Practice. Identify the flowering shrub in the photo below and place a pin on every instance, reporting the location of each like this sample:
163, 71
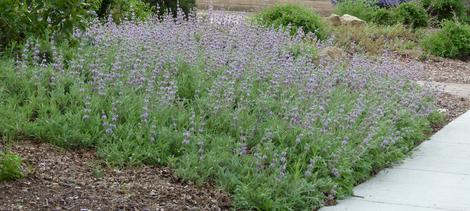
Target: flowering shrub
221, 102
391, 3
381, 3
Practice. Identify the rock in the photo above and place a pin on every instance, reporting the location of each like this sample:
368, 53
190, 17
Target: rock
351, 20
334, 19
443, 111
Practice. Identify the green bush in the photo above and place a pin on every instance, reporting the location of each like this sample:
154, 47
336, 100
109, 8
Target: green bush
412, 14
362, 9
280, 16
452, 41
59, 18
10, 166
21, 19
384, 17
121, 10
445, 9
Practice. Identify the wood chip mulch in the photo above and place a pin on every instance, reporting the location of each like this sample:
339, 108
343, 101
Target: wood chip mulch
76, 180
453, 105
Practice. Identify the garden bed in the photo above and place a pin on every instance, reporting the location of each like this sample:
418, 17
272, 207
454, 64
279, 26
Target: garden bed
242, 107
74, 180
278, 111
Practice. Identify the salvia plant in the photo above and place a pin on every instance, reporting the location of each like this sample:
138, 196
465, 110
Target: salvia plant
382, 3
243, 107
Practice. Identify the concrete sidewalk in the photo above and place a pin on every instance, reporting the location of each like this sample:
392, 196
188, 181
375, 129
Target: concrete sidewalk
436, 177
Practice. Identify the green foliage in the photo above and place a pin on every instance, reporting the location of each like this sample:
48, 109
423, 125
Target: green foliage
21, 19
384, 16
280, 16
445, 9
172, 6
412, 14
121, 10
54, 112
362, 9
10, 166
452, 41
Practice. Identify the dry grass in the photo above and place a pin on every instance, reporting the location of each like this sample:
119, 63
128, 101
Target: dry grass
373, 39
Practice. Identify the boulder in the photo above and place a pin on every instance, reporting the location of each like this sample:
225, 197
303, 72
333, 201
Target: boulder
351, 20
334, 19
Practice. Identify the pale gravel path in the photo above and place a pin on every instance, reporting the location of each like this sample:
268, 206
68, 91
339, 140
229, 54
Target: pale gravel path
436, 177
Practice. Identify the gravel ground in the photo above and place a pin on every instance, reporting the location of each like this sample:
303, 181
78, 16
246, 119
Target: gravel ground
75, 180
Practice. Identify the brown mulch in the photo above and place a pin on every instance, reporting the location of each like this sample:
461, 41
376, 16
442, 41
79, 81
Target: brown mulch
441, 69
447, 71
75, 180
453, 105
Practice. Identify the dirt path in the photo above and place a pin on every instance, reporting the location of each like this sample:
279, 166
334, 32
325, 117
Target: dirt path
75, 180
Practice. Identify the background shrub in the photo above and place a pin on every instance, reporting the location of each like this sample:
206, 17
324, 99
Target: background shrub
281, 16
42, 19
362, 9
121, 10
445, 9
21, 19
452, 41
412, 14
384, 17
10, 166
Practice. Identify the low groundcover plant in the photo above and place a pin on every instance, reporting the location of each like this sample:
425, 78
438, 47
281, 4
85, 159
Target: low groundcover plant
224, 103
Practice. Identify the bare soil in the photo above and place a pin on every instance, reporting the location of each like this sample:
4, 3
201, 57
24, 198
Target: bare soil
76, 180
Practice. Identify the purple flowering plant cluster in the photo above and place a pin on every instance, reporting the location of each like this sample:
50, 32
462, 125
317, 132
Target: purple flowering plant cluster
382, 3
220, 100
